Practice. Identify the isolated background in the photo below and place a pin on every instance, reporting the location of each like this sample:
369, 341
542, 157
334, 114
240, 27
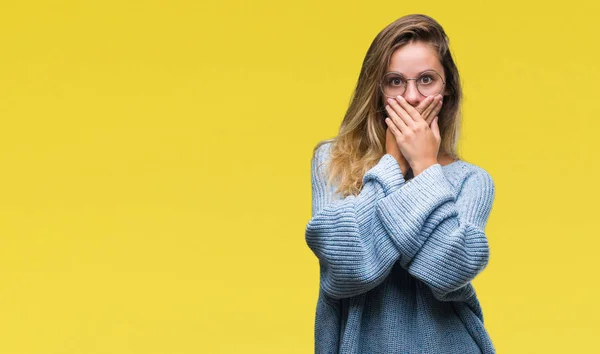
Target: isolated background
155, 160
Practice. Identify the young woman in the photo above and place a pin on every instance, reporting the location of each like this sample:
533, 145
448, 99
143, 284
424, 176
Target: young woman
398, 218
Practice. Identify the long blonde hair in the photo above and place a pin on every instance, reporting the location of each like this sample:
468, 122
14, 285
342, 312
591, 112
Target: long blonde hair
360, 143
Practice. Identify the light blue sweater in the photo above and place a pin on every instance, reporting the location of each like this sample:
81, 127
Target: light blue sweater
397, 260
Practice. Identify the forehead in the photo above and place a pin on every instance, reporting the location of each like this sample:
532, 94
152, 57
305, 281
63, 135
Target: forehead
414, 58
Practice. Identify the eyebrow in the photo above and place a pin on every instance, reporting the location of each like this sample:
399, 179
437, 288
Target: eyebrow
419, 74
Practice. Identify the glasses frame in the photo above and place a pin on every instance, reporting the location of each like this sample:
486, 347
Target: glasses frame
407, 80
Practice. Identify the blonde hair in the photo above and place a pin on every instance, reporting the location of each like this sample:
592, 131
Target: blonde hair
360, 143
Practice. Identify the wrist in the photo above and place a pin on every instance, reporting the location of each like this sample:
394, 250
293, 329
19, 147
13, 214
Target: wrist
402, 163
422, 166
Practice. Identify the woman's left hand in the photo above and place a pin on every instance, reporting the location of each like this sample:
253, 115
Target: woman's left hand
418, 142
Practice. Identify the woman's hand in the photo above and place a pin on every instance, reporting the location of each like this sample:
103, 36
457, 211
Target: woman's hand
428, 111
417, 141
391, 147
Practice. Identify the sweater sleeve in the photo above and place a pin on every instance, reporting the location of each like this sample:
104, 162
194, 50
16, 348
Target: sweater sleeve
440, 237
355, 254
437, 236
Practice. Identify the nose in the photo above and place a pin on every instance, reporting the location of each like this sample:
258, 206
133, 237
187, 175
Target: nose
412, 95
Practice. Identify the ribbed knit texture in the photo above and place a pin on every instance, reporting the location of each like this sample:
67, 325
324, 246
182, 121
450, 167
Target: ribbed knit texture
397, 260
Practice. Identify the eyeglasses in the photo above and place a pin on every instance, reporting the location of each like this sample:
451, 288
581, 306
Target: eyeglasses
429, 83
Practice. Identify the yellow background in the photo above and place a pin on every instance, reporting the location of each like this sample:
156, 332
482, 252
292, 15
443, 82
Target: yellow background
155, 168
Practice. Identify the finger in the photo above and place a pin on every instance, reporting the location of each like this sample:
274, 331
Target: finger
424, 105
427, 112
414, 115
392, 127
398, 122
436, 111
401, 113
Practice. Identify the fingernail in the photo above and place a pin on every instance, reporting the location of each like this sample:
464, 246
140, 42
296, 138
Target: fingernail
390, 100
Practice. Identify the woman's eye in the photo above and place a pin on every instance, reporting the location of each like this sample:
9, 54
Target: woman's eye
426, 80
396, 81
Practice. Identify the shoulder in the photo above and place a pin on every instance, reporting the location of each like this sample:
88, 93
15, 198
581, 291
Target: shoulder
319, 170
466, 174
321, 151
321, 154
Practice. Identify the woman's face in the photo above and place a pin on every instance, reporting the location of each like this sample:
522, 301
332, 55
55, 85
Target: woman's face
411, 60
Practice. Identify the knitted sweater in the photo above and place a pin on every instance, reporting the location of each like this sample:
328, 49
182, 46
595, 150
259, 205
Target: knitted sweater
397, 260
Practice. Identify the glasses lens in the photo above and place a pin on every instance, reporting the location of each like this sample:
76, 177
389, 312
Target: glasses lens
393, 84
430, 83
